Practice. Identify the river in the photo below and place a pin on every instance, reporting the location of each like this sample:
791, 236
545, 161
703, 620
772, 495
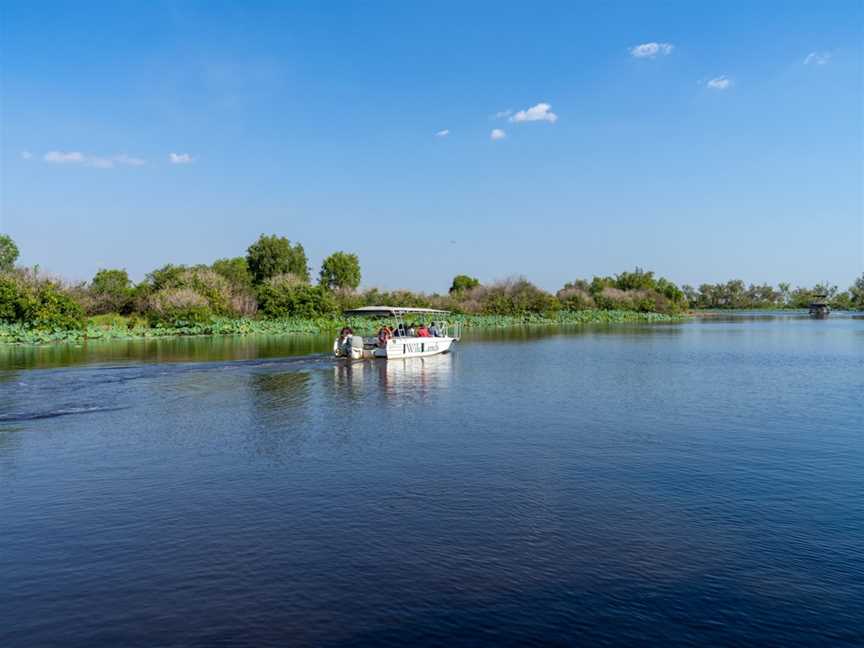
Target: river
684, 484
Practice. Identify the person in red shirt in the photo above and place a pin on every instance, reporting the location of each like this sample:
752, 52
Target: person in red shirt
423, 331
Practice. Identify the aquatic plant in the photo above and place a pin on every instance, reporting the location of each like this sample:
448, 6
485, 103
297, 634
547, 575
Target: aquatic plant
120, 327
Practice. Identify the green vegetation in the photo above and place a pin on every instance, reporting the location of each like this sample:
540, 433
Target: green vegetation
340, 270
36, 303
462, 283
235, 270
111, 291
274, 255
8, 253
268, 291
736, 294
108, 327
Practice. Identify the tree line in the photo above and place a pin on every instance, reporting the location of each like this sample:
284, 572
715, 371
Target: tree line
273, 280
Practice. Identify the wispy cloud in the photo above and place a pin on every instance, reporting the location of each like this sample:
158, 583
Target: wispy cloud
651, 50
443, 133
503, 114
26, 155
817, 58
61, 157
540, 112
719, 83
128, 160
96, 161
180, 158
497, 134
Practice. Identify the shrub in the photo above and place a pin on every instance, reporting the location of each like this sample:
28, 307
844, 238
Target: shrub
178, 307
236, 271
289, 296
340, 270
222, 298
514, 296
8, 253
573, 298
273, 255
462, 283
41, 304
111, 292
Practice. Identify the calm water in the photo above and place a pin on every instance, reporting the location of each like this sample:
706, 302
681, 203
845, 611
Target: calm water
700, 483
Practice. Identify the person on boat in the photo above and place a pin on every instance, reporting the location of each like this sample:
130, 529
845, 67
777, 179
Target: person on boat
383, 336
423, 331
434, 331
412, 330
344, 334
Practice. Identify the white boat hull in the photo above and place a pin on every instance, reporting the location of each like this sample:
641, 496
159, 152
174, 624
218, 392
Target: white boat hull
396, 348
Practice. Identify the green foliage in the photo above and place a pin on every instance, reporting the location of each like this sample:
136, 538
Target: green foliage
574, 298
8, 253
282, 297
638, 291
274, 255
111, 291
129, 328
38, 303
178, 306
235, 270
165, 277
340, 270
856, 293
221, 297
462, 283
735, 294
516, 296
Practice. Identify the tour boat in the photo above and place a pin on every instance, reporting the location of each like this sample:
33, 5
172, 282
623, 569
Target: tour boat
404, 342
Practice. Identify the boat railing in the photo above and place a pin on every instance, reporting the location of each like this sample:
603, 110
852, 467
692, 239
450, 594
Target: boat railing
451, 329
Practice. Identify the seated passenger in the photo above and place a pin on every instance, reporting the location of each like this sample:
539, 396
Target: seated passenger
423, 331
412, 330
433, 330
383, 336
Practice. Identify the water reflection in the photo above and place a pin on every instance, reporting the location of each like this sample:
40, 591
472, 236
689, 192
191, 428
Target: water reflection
389, 378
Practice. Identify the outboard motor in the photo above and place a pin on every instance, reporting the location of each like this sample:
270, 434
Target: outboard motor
356, 346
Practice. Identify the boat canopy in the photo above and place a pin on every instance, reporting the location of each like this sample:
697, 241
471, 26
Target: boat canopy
393, 311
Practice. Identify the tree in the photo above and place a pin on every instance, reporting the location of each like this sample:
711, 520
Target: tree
8, 253
274, 255
856, 292
340, 270
235, 270
463, 283
112, 291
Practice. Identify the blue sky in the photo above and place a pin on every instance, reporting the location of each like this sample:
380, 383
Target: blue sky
703, 142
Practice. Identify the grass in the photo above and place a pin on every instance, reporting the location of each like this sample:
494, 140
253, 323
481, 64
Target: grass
119, 327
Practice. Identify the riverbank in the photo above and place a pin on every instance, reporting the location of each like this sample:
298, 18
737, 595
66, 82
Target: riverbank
124, 328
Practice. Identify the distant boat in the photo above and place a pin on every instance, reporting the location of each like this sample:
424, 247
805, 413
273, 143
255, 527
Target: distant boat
403, 341
819, 308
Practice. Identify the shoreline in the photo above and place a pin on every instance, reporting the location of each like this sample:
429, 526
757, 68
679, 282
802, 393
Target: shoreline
18, 335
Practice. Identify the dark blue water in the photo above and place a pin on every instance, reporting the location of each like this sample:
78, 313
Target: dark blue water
693, 484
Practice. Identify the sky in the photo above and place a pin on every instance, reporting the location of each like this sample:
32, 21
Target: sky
556, 141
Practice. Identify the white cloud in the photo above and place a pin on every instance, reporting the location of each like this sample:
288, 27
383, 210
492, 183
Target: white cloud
443, 133
180, 158
128, 160
719, 83
540, 112
59, 157
497, 134
651, 50
817, 58
501, 114
98, 162
26, 155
